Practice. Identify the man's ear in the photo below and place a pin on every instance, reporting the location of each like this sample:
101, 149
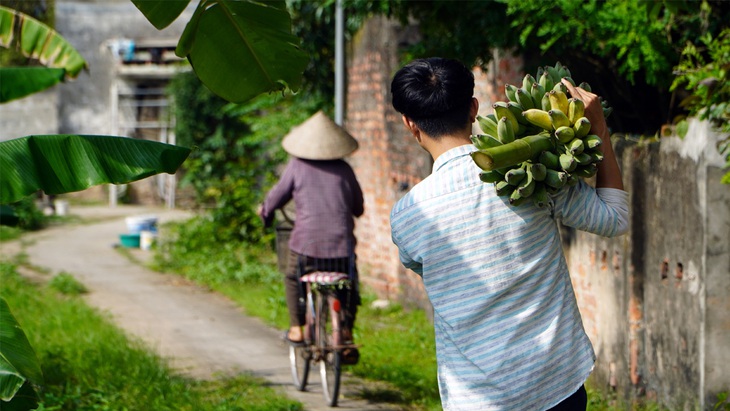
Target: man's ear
412, 127
473, 109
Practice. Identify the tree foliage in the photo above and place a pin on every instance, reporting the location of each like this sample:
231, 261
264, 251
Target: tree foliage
625, 49
236, 151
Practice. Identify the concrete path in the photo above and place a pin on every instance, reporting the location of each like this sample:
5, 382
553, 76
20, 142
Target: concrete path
202, 333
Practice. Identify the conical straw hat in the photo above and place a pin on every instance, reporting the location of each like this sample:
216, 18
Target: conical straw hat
319, 138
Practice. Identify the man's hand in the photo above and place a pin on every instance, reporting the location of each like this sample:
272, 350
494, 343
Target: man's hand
609, 173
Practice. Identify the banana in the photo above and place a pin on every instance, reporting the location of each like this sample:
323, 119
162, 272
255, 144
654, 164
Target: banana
596, 155
569, 80
568, 162
527, 82
503, 188
539, 171
592, 141
607, 111
576, 109
585, 86
516, 110
565, 134
488, 124
537, 93
545, 102
572, 180
556, 179
516, 199
490, 176
527, 185
538, 118
558, 119
539, 196
525, 98
582, 126
550, 160
501, 109
560, 87
563, 70
583, 159
509, 91
586, 171
575, 146
554, 74
515, 175
559, 101
482, 141
546, 81
505, 132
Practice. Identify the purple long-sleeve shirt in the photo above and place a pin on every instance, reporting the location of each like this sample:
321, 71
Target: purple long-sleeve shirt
327, 196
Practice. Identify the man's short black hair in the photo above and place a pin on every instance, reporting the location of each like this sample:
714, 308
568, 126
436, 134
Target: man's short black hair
435, 93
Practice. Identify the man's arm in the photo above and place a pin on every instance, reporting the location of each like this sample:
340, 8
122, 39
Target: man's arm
609, 174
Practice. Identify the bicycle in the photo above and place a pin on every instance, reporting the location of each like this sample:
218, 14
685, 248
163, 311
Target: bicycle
323, 330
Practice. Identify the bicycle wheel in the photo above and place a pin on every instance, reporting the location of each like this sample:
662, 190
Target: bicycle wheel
300, 357
329, 366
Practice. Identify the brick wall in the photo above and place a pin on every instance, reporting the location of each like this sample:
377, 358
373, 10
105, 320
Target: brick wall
389, 162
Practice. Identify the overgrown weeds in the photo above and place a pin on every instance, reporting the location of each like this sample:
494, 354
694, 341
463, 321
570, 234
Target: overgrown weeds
89, 364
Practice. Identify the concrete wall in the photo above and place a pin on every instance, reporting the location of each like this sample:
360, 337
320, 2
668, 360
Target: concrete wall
84, 105
654, 301
31, 115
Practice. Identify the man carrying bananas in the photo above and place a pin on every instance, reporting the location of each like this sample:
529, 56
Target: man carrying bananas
508, 332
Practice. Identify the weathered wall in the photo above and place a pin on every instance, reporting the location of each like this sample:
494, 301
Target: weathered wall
654, 301
84, 105
389, 162
31, 115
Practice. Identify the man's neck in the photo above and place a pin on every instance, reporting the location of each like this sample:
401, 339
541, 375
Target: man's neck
446, 143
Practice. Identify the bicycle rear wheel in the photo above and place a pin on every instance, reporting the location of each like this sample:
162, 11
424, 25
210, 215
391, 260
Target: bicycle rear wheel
329, 366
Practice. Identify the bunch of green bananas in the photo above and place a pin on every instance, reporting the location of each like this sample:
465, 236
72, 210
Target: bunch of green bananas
538, 141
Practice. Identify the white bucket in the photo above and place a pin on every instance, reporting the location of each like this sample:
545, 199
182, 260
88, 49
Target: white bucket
141, 223
61, 207
147, 239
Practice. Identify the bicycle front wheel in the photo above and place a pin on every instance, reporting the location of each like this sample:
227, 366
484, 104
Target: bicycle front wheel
300, 359
329, 366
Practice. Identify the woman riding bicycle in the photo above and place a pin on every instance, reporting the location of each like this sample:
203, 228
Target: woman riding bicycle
327, 198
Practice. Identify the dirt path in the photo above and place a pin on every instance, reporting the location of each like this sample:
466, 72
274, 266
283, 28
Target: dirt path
200, 332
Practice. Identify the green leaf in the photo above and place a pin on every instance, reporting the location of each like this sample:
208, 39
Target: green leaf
17, 82
65, 163
161, 13
38, 41
240, 49
18, 361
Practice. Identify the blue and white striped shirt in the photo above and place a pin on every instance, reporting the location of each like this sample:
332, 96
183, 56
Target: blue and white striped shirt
508, 332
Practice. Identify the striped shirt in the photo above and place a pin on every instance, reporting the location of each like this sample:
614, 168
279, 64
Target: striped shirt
508, 331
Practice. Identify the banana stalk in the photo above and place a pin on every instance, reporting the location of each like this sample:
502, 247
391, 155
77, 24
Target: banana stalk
513, 153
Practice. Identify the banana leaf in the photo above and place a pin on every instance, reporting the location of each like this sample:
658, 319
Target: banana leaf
40, 42
65, 163
19, 366
17, 82
161, 13
237, 48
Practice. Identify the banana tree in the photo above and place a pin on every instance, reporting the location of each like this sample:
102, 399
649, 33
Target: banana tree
237, 48
35, 40
55, 164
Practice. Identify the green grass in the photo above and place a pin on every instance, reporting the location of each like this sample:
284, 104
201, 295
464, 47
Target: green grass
397, 345
89, 364
8, 233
